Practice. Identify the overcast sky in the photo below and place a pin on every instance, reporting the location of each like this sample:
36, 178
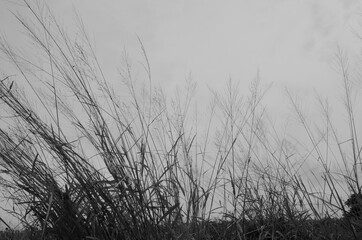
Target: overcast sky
290, 42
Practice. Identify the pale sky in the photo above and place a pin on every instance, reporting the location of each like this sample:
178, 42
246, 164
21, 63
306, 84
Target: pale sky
291, 42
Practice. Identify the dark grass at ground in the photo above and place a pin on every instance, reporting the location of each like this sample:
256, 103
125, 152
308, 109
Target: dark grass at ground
328, 228
9, 234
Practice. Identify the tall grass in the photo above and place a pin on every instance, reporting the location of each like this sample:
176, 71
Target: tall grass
79, 162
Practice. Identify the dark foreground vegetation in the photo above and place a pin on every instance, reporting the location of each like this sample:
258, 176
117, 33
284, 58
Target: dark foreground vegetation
78, 161
213, 230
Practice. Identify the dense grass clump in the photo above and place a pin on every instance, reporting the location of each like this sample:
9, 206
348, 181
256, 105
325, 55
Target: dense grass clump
77, 161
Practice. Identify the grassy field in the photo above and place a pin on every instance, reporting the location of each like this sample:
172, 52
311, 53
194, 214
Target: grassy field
79, 162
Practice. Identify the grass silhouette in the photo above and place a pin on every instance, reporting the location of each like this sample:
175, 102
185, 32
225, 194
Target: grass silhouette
78, 162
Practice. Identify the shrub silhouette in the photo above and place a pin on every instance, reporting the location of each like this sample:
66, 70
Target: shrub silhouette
354, 203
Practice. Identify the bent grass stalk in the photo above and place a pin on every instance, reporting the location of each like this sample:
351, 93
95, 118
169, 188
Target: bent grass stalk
78, 162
